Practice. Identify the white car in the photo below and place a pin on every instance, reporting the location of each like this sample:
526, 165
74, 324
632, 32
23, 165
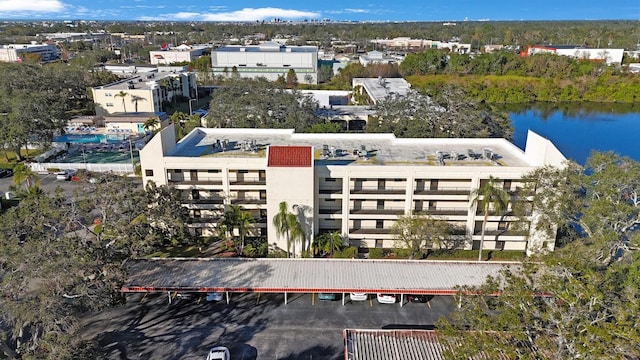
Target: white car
387, 298
219, 353
214, 296
65, 174
358, 296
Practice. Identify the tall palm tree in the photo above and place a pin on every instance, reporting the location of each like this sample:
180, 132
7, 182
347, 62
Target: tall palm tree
122, 94
243, 222
281, 224
135, 99
489, 197
296, 232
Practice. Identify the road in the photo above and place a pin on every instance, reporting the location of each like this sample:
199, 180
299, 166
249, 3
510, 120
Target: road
151, 328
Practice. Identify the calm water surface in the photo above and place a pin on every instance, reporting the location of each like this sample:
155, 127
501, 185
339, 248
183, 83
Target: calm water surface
578, 130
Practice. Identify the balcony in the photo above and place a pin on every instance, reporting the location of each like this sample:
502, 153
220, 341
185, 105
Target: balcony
248, 180
204, 220
501, 232
376, 211
199, 181
393, 190
369, 230
248, 201
442, 191
330, 210
442, 211
330, 191
201, 201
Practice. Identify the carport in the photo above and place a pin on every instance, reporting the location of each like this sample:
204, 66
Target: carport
241, 275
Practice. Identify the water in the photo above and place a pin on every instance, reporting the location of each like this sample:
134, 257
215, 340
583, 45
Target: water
89, 138
577, 130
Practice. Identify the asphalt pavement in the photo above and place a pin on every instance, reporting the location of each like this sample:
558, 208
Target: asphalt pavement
251, 327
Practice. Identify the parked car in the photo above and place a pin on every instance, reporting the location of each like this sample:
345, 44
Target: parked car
65, 174
219, 353
184, 296
327, 296
358, 296
386, 298
5, 173
419, 298
214, 296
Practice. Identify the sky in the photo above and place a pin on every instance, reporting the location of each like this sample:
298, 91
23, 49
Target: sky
295, 10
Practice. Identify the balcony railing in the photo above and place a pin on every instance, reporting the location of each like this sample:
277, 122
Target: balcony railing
201, 201
248, 180
369, 230
501, 232
376, 211
330, 210
249, 201
330, 191
442, 211
443, 191
204, 220
199, 181
399, 190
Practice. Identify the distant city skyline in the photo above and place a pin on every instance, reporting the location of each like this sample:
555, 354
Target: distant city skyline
285, 10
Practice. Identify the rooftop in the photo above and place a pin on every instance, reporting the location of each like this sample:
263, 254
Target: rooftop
353, 149
307, 275
266, 47
379, 88
145, 81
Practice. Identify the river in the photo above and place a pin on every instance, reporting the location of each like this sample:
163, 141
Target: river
579, 129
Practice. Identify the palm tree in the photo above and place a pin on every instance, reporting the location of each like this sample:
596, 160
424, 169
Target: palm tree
281, 224
135, 99
150, 123
236, 217
296, 232
122, 94
489, 197
24, 180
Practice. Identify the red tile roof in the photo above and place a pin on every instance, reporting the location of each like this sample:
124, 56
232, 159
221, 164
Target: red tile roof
290, 156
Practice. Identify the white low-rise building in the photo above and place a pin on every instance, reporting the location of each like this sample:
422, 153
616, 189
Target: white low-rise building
20, 52
178, 54
354, 184
269, 60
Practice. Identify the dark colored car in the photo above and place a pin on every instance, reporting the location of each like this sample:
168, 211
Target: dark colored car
420, 298
327, 296
5, 173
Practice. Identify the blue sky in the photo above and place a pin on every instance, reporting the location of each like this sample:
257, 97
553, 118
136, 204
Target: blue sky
358, 10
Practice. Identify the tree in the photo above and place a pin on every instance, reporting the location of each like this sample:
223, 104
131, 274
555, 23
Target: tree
291, 79
135, 99
326, 244
236, 217
25, 181
490, 198
287, 224
122, 94
419, 234
150, 124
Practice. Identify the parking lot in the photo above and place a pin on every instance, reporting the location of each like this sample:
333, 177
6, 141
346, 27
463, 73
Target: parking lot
251, 326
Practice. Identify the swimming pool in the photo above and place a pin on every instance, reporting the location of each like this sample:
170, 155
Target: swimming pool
89, 138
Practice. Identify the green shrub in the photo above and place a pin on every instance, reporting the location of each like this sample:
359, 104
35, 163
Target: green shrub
348, 253
277, 254
376, 253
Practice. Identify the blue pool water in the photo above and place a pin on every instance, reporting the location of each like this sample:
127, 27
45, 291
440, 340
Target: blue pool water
89, 138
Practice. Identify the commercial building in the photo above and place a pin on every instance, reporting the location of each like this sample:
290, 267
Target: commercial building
409, 44
354, 184
378, 89
20, 52
608, 56
269, 60
178, 54
143, 93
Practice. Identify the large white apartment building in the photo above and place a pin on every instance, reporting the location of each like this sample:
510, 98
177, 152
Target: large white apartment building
143, 93
268, 60
355, 184
18, 52
178, 54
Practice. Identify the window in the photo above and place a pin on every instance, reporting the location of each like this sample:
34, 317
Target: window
109, 104
196, 214
195, 194
108, 94
502, 225
177, 171
243, 171
148, 172
198, 231
378, 243
330, 179
214, 171
379, 224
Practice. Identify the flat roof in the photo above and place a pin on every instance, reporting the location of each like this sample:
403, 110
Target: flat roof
266, 47
379, 88
381, 149
308, 275
140, 82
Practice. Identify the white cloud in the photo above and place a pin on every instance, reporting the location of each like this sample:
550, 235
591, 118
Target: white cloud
186, 15
31, 5
251, 14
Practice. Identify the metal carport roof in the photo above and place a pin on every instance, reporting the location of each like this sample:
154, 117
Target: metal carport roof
308, 275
